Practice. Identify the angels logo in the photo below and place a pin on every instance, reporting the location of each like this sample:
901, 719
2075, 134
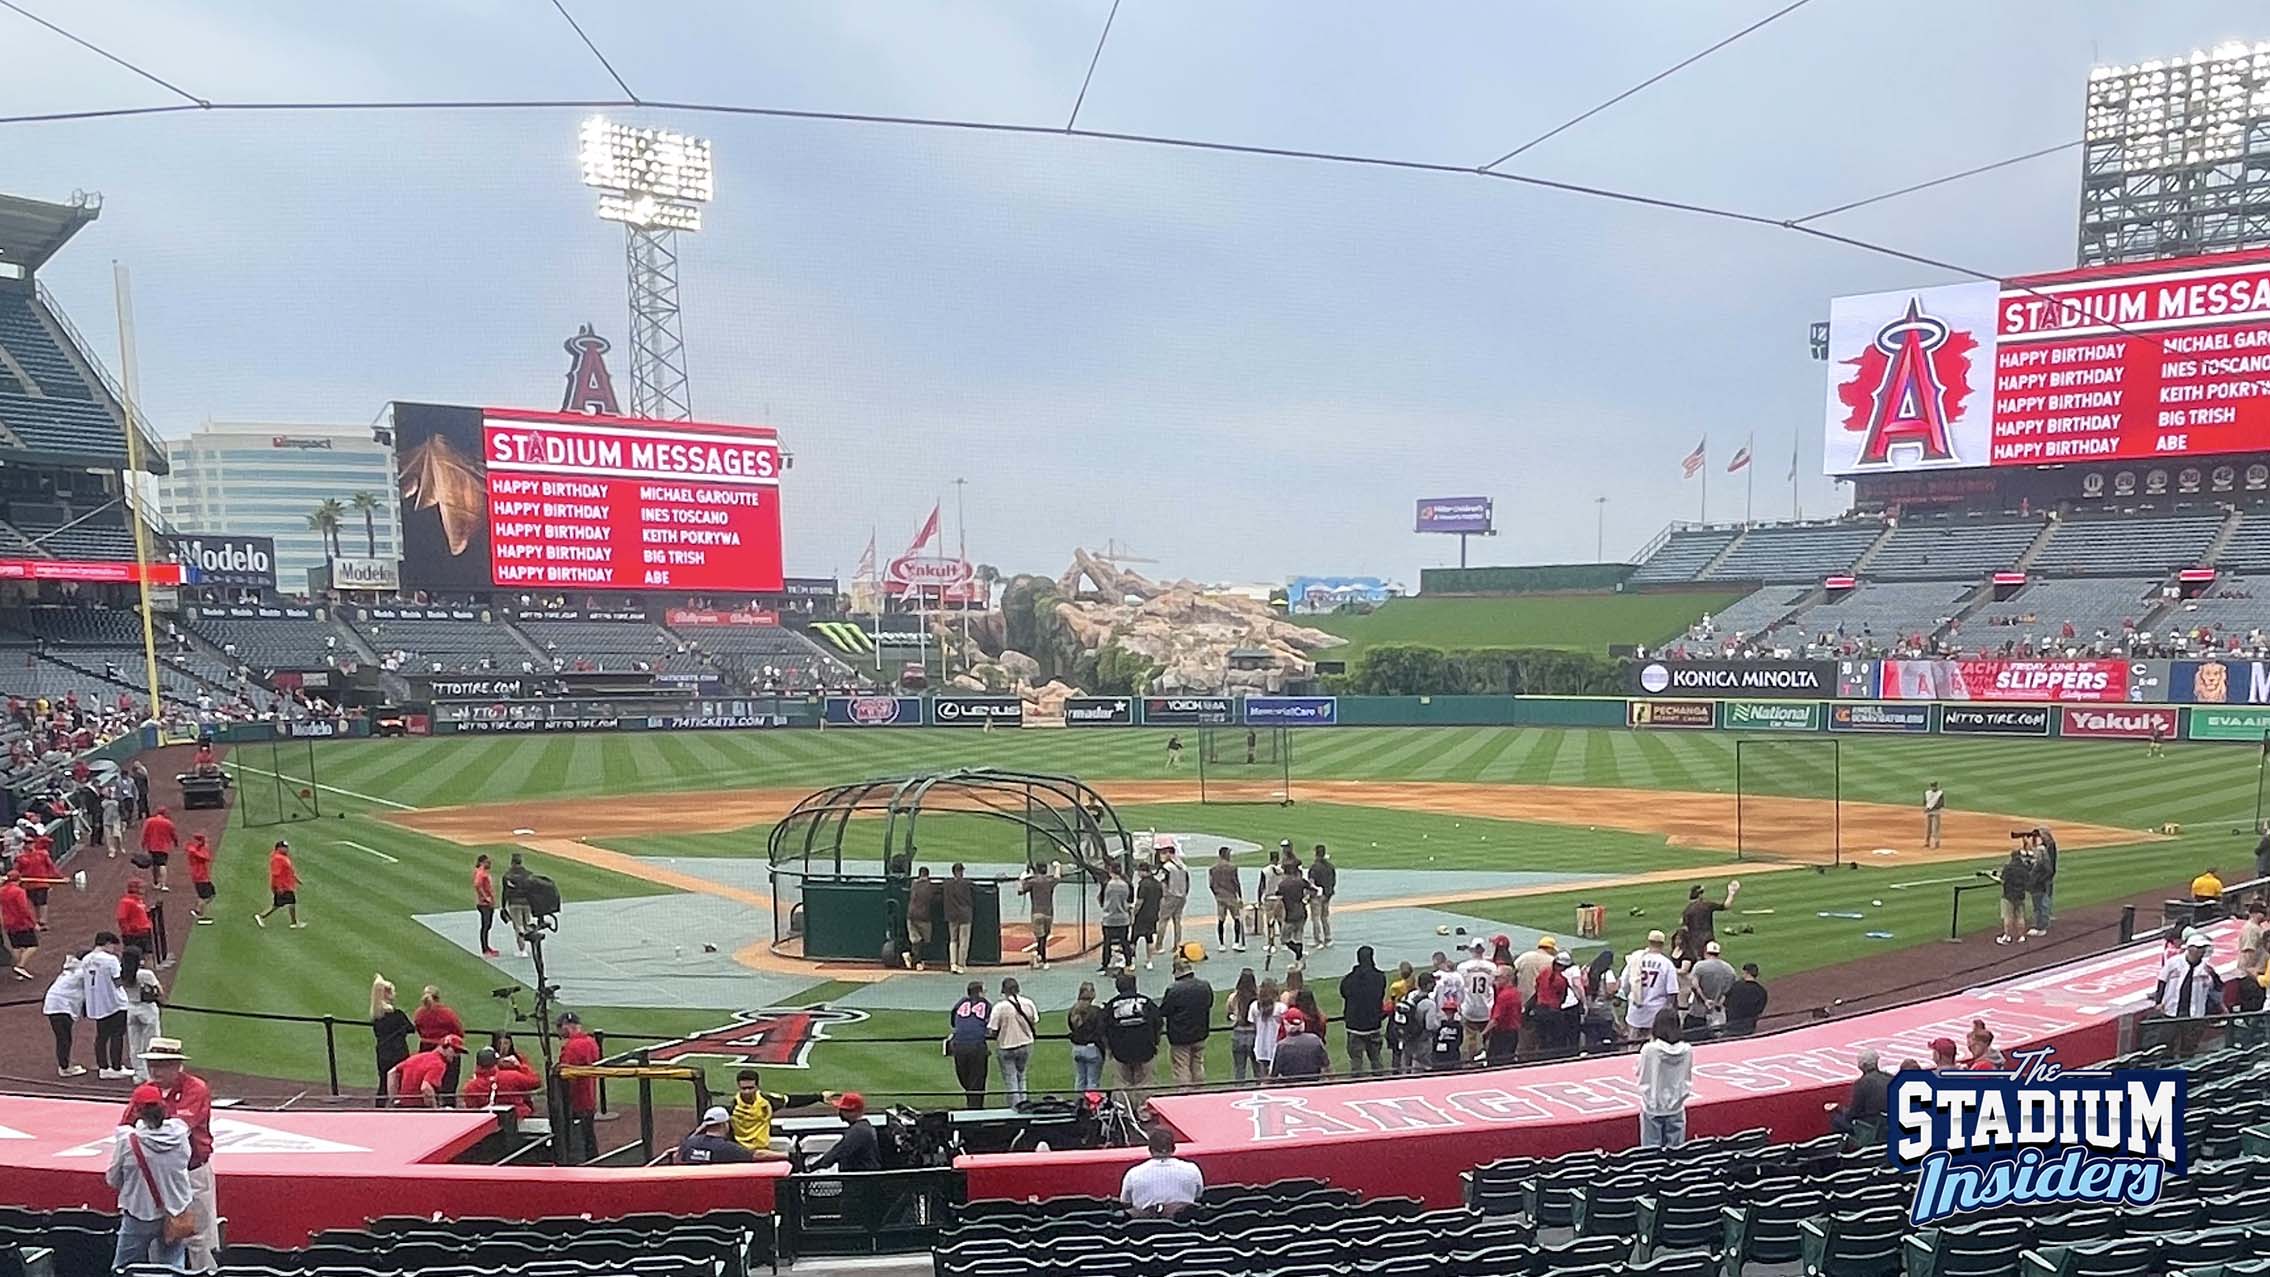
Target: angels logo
590, 389
1908, 386
778, 1037
1907, 389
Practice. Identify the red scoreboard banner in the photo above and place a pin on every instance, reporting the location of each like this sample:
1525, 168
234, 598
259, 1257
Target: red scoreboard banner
602, 503
2035, 681
2152, 361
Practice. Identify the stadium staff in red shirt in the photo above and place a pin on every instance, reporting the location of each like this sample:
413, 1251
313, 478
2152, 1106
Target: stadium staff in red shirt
134, 920
580, 1048
283, 886
20, 922
159, 839
37, 865
485, 902
420, 1081
496, 1084
200, 856
190, 1099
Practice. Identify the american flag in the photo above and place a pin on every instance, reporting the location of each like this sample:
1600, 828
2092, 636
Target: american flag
1740, 461
1693, 465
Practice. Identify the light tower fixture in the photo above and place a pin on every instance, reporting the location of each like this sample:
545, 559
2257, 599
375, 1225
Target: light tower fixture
2175, 156
654, 182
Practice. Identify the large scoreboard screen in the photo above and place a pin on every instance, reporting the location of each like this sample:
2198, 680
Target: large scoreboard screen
514, 499
2155, 361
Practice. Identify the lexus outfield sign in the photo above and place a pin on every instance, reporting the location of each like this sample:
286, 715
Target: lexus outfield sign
977, 711
1805, 679
213, 559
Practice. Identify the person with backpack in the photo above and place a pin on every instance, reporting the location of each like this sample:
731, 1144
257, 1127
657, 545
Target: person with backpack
1013, 1024
1415, 1021
516, 911
1363, 1009
1131, 1024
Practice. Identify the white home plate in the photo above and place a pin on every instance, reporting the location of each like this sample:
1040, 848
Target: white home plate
1884, 851
522, 833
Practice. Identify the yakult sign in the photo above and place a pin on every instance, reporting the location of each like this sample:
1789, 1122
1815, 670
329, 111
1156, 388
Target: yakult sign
2117, 722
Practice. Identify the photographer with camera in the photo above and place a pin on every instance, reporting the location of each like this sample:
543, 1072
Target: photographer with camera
2041, 887
2016, 877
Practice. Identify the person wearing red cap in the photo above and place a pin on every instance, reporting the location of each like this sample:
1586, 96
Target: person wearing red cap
858, 1150
159, 839
20, 922
580, 1049
1943, 1053
420, 1081
200, 856
149, 1166
283, 886
133, 917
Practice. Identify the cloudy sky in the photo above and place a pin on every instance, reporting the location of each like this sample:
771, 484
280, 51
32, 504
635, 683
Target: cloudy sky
1243, 367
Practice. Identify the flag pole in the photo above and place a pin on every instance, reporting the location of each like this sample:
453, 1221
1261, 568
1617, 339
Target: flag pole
1750, 479
1704, 513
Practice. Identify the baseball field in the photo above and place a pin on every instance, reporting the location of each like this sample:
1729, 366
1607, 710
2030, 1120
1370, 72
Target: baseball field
657, 843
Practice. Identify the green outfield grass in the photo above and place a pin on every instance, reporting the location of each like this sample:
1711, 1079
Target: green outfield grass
1360, 838
1577, 622
360, 899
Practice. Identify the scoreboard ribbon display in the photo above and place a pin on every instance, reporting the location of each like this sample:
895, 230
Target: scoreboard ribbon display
591, 504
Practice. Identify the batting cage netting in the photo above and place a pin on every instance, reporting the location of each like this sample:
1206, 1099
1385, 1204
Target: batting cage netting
1788, 800
275, 782
1245, 765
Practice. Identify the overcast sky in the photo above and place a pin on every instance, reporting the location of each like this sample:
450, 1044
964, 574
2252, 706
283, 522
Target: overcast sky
1243, 367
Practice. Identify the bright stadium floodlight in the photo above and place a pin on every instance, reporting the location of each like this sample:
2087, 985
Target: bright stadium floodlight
653, 182
2169, 149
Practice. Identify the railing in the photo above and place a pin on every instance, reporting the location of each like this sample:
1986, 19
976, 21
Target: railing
152, 446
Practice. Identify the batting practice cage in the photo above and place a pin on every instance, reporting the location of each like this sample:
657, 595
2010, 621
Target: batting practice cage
1245, 765
1789, 800
845, 863
275, 782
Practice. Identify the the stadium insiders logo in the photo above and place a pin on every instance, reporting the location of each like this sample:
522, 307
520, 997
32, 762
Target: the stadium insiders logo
775, 1037
2036, 1135
589, 388
1908, 386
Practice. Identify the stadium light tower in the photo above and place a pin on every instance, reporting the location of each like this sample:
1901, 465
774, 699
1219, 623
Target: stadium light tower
2175, 159
654, 182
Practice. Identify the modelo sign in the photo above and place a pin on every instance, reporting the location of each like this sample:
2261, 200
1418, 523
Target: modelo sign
1099, 711
2116, 722
1732, 678
1952, 680
977, 711
228, 560
872, 711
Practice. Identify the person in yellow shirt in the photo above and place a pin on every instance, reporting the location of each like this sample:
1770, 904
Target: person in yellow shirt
752, 1109
2207, 886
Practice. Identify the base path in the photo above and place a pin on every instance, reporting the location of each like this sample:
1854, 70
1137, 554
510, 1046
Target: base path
1792, 828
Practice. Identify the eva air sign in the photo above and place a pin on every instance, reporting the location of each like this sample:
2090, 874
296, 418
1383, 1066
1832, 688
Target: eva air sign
1770, 716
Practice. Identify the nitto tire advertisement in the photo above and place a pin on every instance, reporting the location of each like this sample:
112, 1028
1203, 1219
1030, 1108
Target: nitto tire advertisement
1965, 720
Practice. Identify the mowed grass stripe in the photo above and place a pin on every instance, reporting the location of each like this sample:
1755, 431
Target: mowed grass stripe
1514, 760
1657, 756
1450, 762
1495, 741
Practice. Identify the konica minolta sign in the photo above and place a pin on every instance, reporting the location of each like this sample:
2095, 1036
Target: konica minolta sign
1731, 678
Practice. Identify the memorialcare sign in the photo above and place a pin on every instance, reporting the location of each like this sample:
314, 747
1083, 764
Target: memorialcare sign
1731, 678
1963, 720
1188, 711
977, 711
2228, 724
1099, 711
1694, 714
1772, 716
2036, 1137
1292, 711
872, 711
2117, 722
1879, 718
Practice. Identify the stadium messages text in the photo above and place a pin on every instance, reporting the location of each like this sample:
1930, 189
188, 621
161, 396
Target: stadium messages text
506, 497
2154, 361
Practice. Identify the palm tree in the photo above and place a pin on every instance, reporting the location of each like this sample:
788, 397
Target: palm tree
325, 520
366, 504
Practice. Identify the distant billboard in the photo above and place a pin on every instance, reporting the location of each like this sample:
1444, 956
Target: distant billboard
2152, 361
1325, 593
1455, 514
215, 558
